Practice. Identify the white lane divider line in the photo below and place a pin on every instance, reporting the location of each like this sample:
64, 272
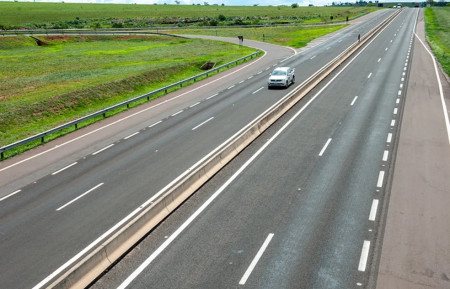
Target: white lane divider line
395, 110
214, 95
195, 104
397, 101
379, 59
231, 86
209, 119
64, 168
10, 195
256, 91
103, 149
373, 210
250, 77
385, 155
256, 259
176, 113
242, 81
156, 123
364, 256
131, 135
324, 147
389, 138
400, 92
80, 196
386, 49
393, 122
313, 57
354, 100
370, 75
380, 179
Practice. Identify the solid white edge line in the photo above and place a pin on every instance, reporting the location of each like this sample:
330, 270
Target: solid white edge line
364, 256
131, 135
79, 197
324, 147
373, 210
354, 100
64, 168
256, 259
380, 179
209, 119
105, 148
444, 106
134, 114
10, 195
257, 90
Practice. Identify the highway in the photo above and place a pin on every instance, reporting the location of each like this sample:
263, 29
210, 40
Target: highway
300, 207
311, 197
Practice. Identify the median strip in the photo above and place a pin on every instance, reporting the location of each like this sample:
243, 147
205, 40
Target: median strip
92, 261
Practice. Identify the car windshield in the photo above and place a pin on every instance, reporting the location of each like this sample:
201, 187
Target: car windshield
279, 72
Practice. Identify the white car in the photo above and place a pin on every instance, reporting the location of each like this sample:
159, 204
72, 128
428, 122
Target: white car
281, 77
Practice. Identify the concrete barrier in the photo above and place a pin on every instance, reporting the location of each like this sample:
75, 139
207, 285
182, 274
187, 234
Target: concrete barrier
94, 262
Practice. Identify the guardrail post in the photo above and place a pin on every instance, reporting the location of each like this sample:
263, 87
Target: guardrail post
2, 155
76, 126
42, 139
104, 115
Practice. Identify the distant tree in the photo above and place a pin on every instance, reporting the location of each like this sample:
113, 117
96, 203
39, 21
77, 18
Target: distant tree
294, 5
177, 2
205, 3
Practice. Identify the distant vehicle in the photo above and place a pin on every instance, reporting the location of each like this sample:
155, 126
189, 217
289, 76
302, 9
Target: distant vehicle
281, 77
399, 5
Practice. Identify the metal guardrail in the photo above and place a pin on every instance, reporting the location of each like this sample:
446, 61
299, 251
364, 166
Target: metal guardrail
127, 103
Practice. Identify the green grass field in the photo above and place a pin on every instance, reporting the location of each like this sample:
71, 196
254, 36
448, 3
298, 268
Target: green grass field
72, 15
42, 86
437, 27
293, 36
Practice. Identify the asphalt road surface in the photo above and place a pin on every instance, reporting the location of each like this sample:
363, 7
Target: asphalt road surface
301, 207
416, 247
61, 197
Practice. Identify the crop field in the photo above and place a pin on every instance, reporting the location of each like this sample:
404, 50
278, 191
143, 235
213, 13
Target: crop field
72, 15
71, 76
437, 26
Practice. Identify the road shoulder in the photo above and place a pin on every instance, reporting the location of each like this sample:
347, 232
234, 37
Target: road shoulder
416, 245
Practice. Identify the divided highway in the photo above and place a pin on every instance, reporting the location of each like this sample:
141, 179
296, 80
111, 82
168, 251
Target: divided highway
54, 211
299, 208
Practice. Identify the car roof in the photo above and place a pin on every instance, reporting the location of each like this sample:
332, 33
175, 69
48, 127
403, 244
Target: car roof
282, 68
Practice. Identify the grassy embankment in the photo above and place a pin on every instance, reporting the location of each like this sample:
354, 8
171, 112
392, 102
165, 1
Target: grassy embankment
42, 86
437, 27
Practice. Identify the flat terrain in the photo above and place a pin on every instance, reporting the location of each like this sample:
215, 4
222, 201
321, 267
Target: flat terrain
71, 15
